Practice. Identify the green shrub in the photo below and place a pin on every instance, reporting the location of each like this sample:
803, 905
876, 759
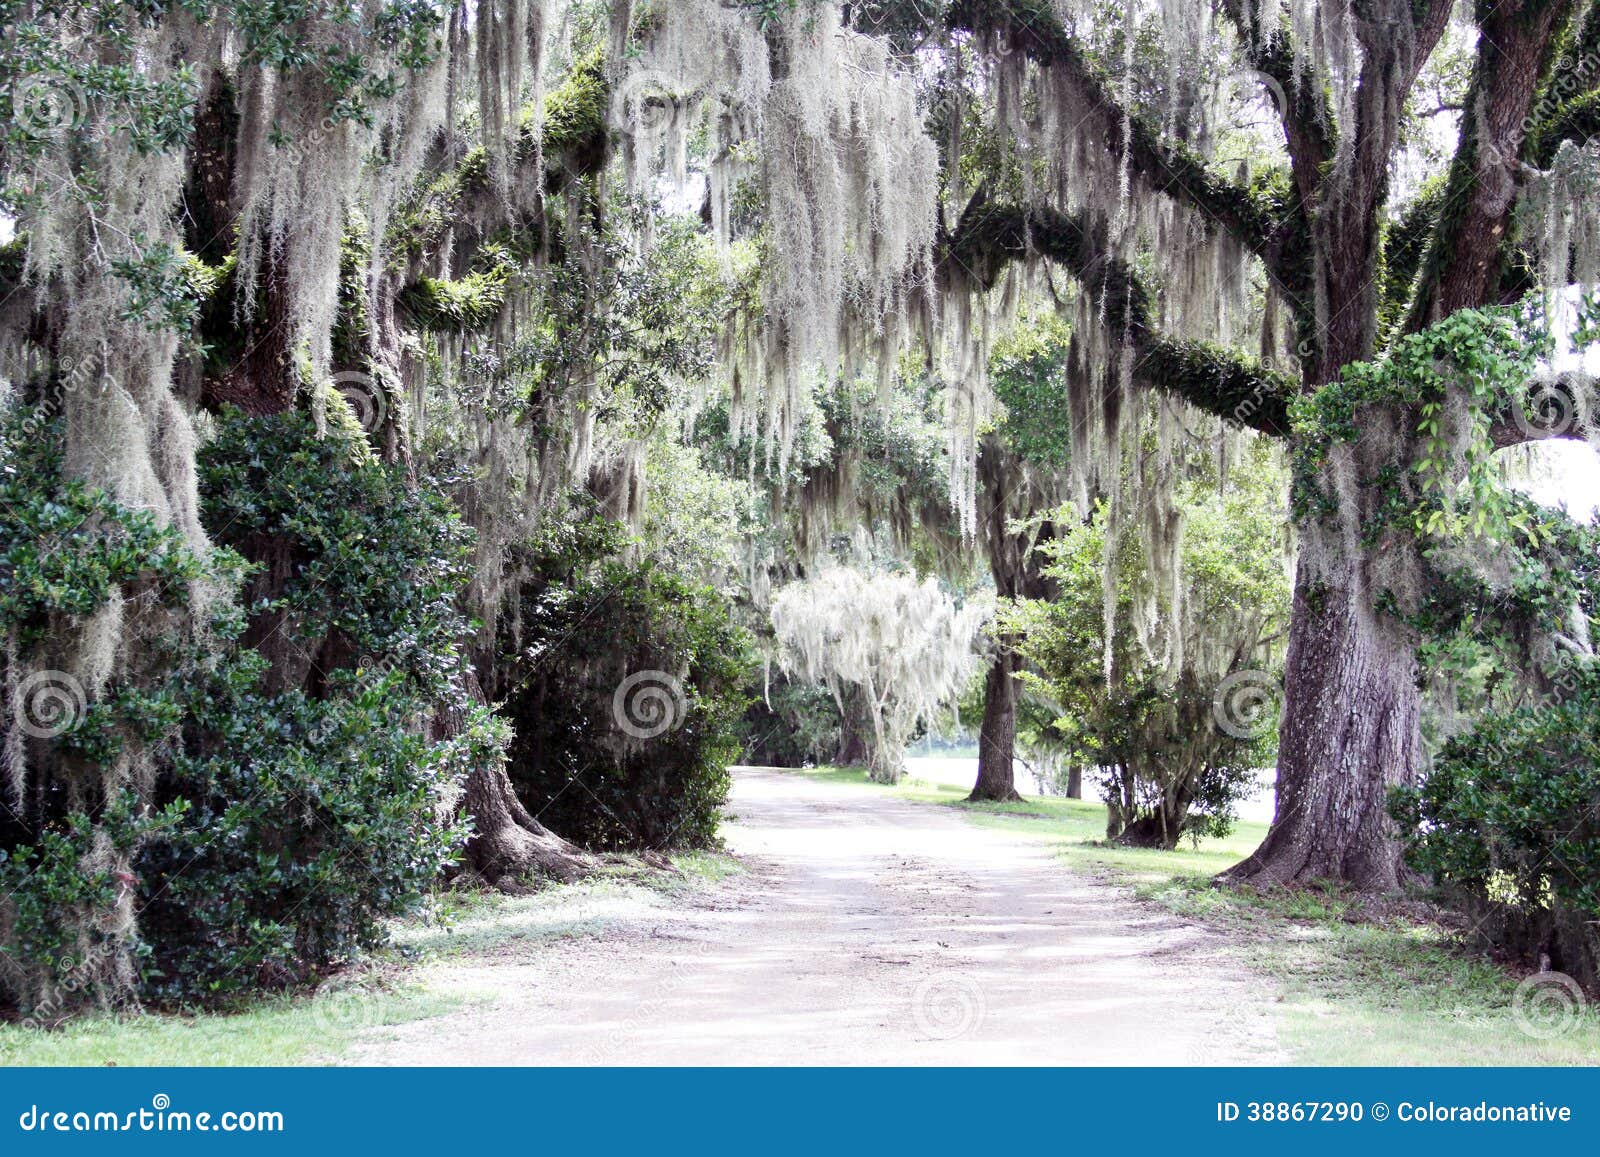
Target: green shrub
1176, 721
310, 800
356, 565
298, 827
1511, 811
66, 941
627, 690
90, 712
291, 788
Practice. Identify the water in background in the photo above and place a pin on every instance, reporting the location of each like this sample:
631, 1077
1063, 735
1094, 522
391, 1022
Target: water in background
962, 771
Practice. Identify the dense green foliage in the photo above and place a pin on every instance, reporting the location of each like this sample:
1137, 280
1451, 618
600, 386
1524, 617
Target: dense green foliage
358, 567
1511, 810
1026, 371
72, 553
273, 828
1176, 744
628, 685
295, 827
301, 817
791, 724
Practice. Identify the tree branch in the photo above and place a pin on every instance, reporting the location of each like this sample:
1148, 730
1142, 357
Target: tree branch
1031, 27
1219, 381
1302, 107
1516, 46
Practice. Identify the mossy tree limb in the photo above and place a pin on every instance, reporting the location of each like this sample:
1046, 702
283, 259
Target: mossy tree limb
1217, 380
1032, 27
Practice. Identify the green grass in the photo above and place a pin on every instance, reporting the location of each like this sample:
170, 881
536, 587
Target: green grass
389, 988
1077, 828
1361, 984
280, 1031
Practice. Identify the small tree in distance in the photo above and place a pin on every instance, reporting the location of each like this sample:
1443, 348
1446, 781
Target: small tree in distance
884, 645
1172, 712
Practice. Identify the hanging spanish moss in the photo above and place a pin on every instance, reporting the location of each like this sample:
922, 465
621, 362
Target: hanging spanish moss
905, 648
303, 169
848, 173
1565, 236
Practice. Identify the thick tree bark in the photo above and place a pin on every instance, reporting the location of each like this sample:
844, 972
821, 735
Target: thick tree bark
1351, 714
508, 845
854, 726
1013, 496
1350, 734
997, 739
1075, 782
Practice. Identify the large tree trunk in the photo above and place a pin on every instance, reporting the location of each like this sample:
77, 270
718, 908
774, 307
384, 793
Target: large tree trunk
854, 726
997, 739
1349, 735
1351, 706
508, 845
1012, 496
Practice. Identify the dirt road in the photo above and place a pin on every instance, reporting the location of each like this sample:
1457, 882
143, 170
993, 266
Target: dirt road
865, 930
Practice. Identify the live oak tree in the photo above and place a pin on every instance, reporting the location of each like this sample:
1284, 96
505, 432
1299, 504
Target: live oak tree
1021, 467
242, 209
1353, 271
374, 214
1089, 137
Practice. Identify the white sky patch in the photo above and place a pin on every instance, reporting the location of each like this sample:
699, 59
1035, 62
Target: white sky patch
679, 199
1563, 474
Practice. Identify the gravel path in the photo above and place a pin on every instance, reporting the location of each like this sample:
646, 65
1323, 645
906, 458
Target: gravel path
865, 930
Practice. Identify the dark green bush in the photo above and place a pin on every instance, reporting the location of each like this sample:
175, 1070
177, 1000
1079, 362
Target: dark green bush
295, 830
1511, 811
293, 789
627, 687
789, 724
80, 735
355, 564
309, 801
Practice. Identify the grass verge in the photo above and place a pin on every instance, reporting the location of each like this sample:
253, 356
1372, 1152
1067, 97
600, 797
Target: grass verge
390, 988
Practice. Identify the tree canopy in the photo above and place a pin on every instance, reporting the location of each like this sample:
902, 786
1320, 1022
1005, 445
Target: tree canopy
421, 382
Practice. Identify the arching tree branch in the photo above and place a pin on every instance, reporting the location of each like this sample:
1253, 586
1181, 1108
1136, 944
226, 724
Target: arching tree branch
1032, 27
1219, 381
1516, 46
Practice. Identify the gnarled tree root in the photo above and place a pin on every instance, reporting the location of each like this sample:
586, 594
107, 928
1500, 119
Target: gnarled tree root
508, 846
